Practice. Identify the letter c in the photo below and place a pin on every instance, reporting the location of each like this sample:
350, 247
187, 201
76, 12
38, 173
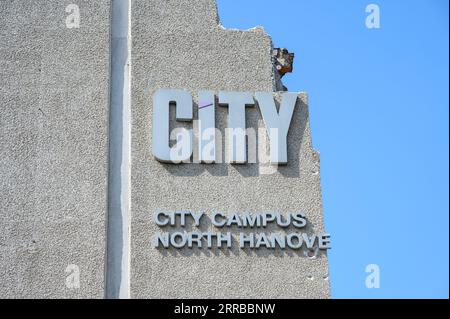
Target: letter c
160, 222
160, 131
217, 223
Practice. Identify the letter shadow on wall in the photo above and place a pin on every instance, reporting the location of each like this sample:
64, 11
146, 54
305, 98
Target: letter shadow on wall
295, 143
214, 251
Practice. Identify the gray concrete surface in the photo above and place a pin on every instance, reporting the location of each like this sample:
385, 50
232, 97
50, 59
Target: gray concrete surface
53, 148
179, 44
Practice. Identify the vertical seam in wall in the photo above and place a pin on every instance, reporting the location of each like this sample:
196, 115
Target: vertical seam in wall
117, 267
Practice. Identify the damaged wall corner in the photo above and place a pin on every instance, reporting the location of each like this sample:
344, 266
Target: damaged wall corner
204, 55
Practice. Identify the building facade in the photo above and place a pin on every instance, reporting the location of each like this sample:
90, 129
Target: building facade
89, 211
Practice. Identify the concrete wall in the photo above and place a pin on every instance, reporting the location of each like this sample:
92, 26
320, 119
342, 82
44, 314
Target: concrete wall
53, 148
179, 44
55, 85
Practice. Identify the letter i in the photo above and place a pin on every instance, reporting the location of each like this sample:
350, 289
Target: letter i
206, 127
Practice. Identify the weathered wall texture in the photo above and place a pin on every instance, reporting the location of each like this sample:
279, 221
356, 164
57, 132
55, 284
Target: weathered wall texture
179, 44
53, 147
54, 93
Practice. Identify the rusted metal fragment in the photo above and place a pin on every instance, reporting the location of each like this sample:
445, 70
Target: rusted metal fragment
283, 60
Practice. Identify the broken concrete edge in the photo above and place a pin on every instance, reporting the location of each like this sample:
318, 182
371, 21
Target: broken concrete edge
277, 85
316, 155
305, 98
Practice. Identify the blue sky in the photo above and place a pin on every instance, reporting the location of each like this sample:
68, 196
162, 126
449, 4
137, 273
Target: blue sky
379, 107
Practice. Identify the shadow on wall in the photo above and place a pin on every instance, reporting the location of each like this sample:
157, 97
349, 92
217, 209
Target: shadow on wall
295, 141
235, 250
